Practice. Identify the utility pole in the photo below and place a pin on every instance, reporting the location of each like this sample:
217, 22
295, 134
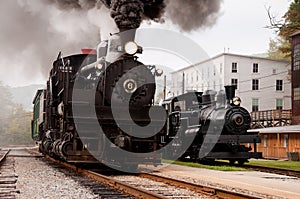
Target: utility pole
165, 87
183, 82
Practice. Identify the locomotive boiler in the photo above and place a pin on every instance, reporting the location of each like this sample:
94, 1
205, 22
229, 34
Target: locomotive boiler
96, 104
215, 122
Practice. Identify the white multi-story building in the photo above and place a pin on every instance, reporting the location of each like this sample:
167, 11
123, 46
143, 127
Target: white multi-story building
262, 83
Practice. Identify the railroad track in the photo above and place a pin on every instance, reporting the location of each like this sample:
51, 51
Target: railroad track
3, 155
8, 178
286, 172
280, 171
207, 190
129, 184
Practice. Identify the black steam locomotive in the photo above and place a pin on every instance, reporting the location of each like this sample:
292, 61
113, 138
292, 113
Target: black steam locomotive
96, 105
215, 124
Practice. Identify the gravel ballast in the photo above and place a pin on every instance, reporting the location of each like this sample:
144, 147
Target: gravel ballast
36, 179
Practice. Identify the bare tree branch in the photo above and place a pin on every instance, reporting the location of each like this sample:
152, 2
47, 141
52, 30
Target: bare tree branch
274, 23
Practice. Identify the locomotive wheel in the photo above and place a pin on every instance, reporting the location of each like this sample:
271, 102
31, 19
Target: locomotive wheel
241, 162
65, 148
46, 145
231, 162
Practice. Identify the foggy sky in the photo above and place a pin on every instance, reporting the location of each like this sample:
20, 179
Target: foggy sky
34, 31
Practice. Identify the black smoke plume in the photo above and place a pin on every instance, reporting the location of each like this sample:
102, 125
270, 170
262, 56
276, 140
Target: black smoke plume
187, 14
128, 14
193, 14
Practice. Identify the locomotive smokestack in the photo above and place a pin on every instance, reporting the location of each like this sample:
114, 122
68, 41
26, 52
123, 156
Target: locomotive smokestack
230, 93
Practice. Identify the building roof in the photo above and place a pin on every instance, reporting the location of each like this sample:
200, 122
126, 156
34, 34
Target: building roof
281, 129
296, 33
229, 54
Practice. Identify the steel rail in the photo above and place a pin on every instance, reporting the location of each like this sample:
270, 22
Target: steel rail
141, 193
281, 171
128, 189
220, 193
4, 156
267, 169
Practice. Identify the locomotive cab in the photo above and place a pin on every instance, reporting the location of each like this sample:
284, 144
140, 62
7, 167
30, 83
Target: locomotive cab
38, 115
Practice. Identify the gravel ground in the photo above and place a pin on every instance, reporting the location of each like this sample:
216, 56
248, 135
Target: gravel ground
160, 188
36, 179
204, 183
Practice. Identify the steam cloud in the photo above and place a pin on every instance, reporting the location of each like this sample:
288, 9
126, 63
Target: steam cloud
193, 14
33, 31
187, 14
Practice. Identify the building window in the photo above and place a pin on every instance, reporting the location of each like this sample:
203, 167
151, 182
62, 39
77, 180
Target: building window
221, 68
265, 141
255, 68
279, 104
279, 85
296, 56
234, 67
234, 82
255, 84
255, 103
286, 141
297, 93
215, 70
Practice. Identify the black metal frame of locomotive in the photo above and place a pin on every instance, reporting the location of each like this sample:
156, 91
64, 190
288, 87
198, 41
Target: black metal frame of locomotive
94, 76
216, 121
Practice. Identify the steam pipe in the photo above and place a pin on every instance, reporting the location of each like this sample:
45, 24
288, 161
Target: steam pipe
86, 70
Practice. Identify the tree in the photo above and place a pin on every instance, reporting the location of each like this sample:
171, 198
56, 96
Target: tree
274, 52
14, 120
285, 28
6, 107
18, 130
159, 97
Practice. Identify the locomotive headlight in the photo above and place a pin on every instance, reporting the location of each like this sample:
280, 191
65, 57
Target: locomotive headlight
236, 101
99, 66
131, 48
159, 72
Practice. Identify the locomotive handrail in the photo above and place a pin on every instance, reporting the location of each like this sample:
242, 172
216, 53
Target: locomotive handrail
271, 114
269, 118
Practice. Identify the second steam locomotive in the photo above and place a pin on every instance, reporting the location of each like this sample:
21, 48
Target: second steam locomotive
217, 124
